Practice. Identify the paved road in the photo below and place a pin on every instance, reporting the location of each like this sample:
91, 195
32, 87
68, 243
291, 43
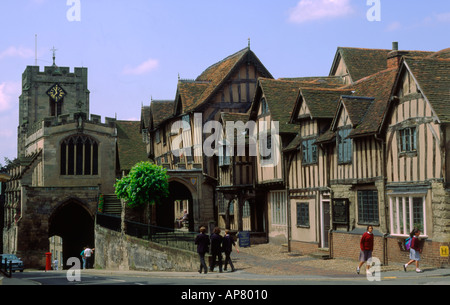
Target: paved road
238, 278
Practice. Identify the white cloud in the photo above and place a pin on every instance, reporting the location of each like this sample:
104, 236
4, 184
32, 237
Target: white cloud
9, 93
443, 17
394, 26
17, 52
310, 10
145, 67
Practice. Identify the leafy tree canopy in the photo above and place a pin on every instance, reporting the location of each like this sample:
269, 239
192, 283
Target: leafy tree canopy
146, 183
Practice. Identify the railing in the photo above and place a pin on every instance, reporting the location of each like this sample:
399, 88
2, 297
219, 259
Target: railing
164, 236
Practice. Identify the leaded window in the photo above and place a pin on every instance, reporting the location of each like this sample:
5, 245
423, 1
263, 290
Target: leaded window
368, 207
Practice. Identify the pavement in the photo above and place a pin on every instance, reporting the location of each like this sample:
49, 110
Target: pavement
270, 262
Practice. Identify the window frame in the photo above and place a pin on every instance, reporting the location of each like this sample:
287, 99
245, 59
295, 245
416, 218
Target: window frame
309, 152
407, 141
303, 215
79, 162
368, 211
344, 146
278, 206
404, 203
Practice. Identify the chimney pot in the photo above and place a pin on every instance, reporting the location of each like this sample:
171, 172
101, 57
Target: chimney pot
395, 46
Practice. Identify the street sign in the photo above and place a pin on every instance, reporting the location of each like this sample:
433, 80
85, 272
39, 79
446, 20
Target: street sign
444, 251
244, 239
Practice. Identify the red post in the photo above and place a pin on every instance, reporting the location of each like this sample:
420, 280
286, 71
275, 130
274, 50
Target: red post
48, 261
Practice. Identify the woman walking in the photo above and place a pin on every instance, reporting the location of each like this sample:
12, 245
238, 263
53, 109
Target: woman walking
366, 245
202, 242
414, 250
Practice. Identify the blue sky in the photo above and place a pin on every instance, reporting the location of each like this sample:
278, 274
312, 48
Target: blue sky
135, 50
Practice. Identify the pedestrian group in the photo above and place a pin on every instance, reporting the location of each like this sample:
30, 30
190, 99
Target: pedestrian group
218, 245
366, 245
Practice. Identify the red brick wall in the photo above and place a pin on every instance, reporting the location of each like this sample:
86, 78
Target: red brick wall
430, 253
346, 245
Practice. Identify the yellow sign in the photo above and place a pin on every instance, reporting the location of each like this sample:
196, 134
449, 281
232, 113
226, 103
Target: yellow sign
444, 251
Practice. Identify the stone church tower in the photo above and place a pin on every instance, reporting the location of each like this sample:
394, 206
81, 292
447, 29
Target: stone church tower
66, 158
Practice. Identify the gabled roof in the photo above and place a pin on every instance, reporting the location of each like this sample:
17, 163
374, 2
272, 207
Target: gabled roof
145, 118
362, 62
234, 117
321, 102
433, 77
160, 110
195, 93
356, 107
130, 147
280, 97
188, 95
378, 86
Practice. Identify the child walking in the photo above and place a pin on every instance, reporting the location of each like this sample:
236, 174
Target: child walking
414, 250
366, 245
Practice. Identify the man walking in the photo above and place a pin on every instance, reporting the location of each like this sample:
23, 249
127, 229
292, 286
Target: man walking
88, 255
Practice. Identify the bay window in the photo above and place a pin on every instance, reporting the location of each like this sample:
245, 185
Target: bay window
406, 213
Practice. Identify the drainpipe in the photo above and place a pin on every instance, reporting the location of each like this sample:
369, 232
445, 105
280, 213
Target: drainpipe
386, 208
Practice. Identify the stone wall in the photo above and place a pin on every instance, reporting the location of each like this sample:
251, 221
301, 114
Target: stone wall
117, 251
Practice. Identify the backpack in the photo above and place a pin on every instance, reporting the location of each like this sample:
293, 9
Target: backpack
408, 243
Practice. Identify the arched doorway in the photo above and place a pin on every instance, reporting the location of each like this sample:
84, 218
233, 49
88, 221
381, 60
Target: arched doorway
72, 221
180, 198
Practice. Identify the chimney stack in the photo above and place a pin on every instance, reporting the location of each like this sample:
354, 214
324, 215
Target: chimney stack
395, 46
395, 56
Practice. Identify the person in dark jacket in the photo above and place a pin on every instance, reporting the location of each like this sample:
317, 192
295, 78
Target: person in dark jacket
228, 243
216, 249
202, 242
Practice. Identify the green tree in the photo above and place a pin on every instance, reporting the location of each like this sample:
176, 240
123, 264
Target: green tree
146, 184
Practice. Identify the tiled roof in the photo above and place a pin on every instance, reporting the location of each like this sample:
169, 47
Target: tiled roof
321, 102
379, 87
145, 117
357, 107
364, 62
294, 144
281, 96
160, 110
234, 117
433, 76
217, 74
189, 94
318, 81
130, 147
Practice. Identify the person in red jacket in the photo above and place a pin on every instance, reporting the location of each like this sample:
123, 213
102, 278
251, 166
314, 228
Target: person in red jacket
366, 245
414, 250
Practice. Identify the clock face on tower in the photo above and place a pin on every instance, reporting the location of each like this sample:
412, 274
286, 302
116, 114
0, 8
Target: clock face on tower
56, 93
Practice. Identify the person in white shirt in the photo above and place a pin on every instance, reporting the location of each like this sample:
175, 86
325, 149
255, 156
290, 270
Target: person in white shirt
88, 255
